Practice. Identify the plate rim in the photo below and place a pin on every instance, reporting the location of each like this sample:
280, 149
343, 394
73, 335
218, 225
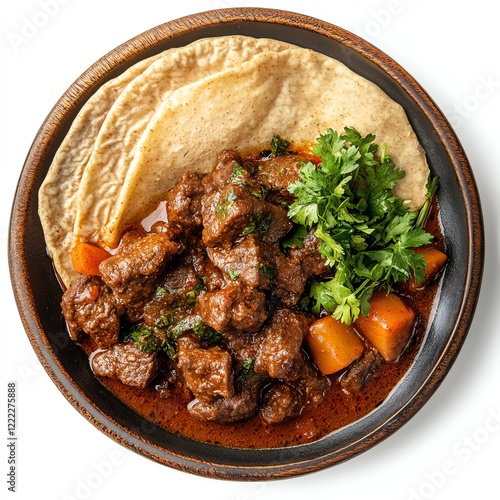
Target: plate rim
137, 48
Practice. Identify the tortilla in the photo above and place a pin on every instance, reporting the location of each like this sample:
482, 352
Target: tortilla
296, 93
129, 116
58, 193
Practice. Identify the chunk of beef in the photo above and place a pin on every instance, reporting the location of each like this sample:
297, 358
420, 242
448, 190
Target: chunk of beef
273, 223
280, 402
173, 231
127, 363
311, 384
160, 309
211, 276
132, 273
235, 307
88, 306
235, 211
244, 261
277, 173
242, 405
243, 347
291, 271
311, 261
280, 354
289, 277
184, 202
206, 372
361, 371
226, 214
180, 279
221, 175
230, 169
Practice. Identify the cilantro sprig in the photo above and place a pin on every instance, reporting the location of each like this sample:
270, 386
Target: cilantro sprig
164, 336
367, 233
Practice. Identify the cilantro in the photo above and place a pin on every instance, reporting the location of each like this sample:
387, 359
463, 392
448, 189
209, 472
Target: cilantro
145, 338
367, 234
267, 270
164, 336
278, 147
160, 292
221, 209
246, 370
164, 321
431, 186
237, 174
196, 290
295, 237
195, 324
234, 273
261, 222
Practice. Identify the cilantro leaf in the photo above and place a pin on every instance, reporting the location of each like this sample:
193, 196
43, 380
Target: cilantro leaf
295, 237
278, 147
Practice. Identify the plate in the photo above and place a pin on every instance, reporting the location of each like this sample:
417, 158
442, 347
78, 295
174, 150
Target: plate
38, 293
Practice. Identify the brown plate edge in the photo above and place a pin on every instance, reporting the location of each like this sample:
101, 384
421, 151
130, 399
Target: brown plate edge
125, 55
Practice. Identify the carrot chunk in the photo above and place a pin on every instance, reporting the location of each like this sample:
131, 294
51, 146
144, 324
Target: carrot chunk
388, 325
435, 261
86, 258
333, 345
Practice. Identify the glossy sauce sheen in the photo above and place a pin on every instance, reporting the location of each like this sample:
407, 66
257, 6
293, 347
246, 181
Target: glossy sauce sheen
338, 409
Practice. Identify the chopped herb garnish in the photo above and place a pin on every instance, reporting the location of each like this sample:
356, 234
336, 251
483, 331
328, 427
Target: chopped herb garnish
246, 370
221, 209
278, 147
164, 321
431, 186
261, 222
267, 270
295, 237
367, 234
193, 294
155, 339
145, 338
233, 273
249, 229
237, 174
204, 332
161, 291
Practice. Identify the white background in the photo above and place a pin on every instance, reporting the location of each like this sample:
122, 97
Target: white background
450, 449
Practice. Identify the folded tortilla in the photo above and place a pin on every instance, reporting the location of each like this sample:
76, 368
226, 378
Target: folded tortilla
58, 193
116, 145
296, 93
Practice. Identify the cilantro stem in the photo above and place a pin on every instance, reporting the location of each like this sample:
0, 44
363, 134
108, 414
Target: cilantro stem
432, 185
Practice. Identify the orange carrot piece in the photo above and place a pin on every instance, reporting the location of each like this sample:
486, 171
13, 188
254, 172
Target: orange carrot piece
435, 261
86, 258
388, 325
333, 345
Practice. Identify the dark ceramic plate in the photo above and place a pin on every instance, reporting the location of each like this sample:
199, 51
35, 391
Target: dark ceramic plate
38, 293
